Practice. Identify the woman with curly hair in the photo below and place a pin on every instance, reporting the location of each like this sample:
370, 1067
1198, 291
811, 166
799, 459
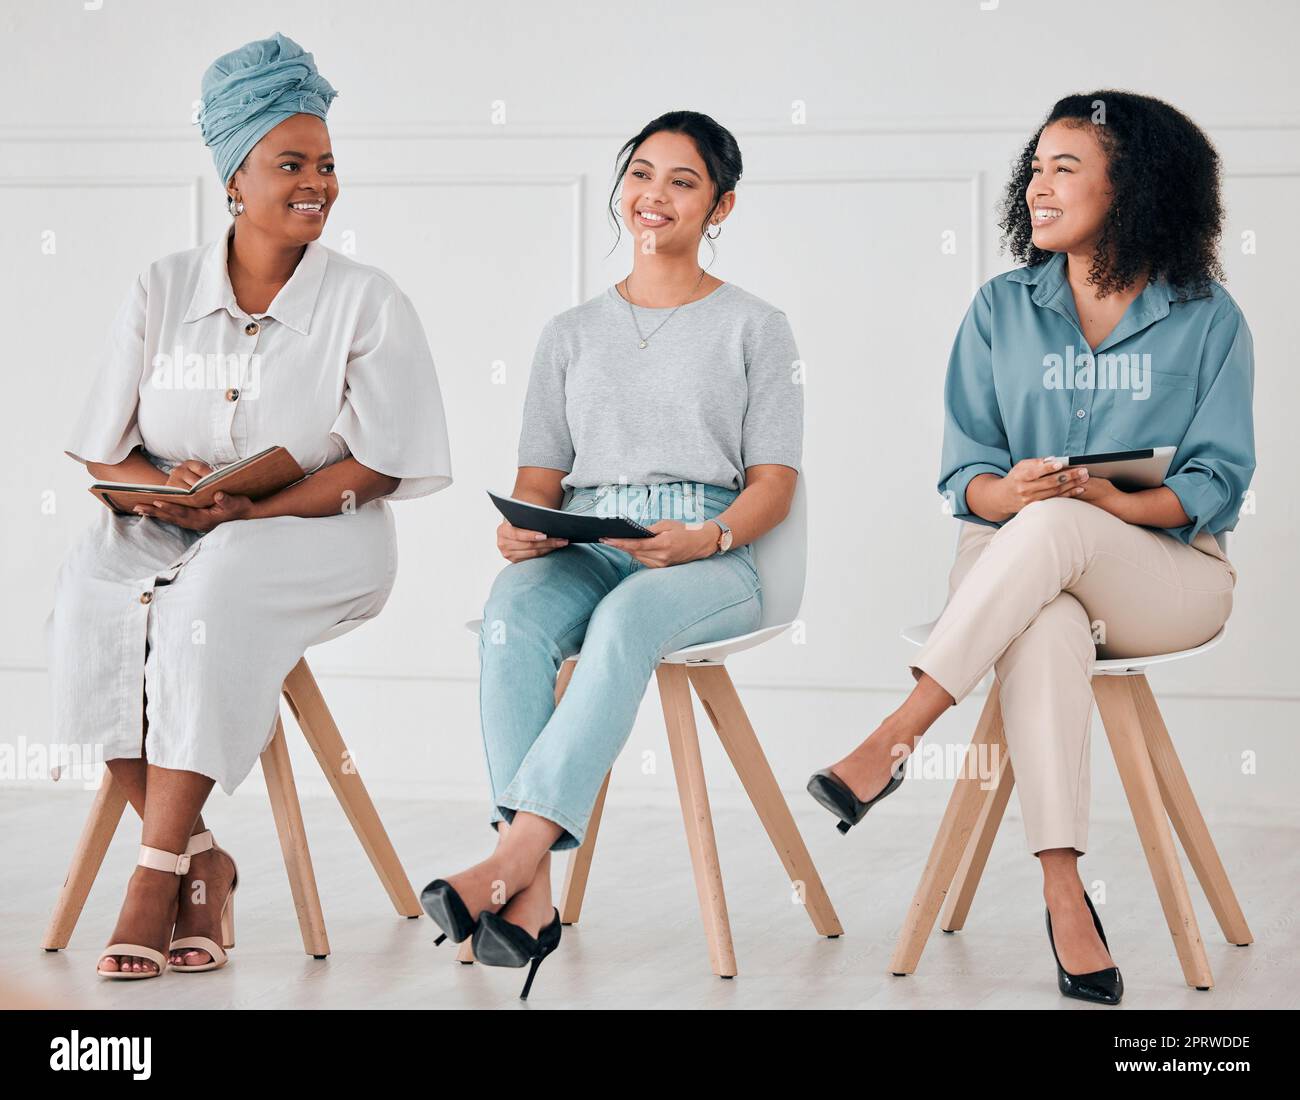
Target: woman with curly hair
1114, 210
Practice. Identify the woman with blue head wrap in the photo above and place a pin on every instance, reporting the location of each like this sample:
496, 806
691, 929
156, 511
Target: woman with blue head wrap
253, 89
173, 659
263, 116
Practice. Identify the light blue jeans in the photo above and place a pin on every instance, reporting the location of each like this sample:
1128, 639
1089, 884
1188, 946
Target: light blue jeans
624, 616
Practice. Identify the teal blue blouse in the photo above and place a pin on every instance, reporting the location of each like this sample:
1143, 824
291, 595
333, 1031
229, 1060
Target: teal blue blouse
1176, 371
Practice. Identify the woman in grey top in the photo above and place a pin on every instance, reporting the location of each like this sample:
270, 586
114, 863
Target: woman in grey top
673, 398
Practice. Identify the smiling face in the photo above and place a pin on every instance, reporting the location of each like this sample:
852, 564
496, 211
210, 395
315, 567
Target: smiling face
667, 192
1069, 192
287, 182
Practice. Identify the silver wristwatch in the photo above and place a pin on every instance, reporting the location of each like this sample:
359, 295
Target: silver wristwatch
724, 539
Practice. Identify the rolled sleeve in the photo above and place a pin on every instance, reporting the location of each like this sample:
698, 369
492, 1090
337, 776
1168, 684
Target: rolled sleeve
544, 438
392, 419
974, 438
1216, 458
108, 429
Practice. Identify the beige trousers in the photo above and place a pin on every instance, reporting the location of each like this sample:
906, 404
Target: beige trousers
1040, 599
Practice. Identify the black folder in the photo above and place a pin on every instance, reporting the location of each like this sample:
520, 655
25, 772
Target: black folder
557, 524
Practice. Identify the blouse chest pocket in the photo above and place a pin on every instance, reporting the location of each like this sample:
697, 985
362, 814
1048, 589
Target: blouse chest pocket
1153, 411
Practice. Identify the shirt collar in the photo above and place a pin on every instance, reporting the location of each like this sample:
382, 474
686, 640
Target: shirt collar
1048, 276
293, 305
1051, 291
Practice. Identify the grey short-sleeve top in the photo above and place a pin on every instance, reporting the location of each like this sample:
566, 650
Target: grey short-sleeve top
718, 388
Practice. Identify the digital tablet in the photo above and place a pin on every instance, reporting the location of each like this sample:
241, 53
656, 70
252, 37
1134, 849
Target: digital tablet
576, 527
1141, 469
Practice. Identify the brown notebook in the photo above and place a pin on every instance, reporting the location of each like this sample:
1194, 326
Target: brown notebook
254, 477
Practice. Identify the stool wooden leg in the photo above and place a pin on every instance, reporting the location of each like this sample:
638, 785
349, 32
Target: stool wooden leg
1176, 794
683, 741
322, 734
579, 867
721, 702
1117, 703
96, 835
967, 879
950, 843
293, 843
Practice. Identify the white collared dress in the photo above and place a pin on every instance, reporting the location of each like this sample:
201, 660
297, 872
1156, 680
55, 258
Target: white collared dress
206, 626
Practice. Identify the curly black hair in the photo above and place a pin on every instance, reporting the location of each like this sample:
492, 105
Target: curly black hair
1166, 215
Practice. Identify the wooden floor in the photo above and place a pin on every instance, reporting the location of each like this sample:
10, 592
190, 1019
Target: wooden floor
640, 941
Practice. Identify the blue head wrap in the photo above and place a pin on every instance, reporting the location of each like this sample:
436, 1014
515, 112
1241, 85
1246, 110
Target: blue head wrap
251, 90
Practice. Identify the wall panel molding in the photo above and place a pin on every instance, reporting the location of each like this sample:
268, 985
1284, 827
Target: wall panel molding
192, 184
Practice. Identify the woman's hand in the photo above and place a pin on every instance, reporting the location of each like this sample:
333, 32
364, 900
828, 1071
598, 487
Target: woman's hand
1029, 480
520, 544
673, 543
1100, 491
188, 472
225, 506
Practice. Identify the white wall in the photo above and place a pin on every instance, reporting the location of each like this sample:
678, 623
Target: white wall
914, 114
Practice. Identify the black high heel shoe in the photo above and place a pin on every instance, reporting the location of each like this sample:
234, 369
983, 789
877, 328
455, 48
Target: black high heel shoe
497, 942
440, 900
832, 792
1104, 987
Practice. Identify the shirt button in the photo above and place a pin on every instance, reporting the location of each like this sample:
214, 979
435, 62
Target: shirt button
232, 395
1081, 413
146, 597
252, 328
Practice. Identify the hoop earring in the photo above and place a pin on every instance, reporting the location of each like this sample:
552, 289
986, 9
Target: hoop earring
234, 208
714, 236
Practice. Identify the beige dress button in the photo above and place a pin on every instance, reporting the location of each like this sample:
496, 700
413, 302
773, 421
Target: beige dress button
232, 395
146, 597
252, 328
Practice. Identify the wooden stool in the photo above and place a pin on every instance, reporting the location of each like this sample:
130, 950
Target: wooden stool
717, 693
780, 556
1157, 791
317, 725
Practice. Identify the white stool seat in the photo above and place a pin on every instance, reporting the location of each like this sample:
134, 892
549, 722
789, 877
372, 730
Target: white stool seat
706, 653
1117, 666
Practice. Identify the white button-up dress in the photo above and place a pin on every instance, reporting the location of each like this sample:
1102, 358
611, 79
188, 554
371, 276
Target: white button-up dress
205, 627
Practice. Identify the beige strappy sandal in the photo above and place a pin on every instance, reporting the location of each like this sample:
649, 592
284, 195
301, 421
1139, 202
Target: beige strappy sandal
202, 842
157, 860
